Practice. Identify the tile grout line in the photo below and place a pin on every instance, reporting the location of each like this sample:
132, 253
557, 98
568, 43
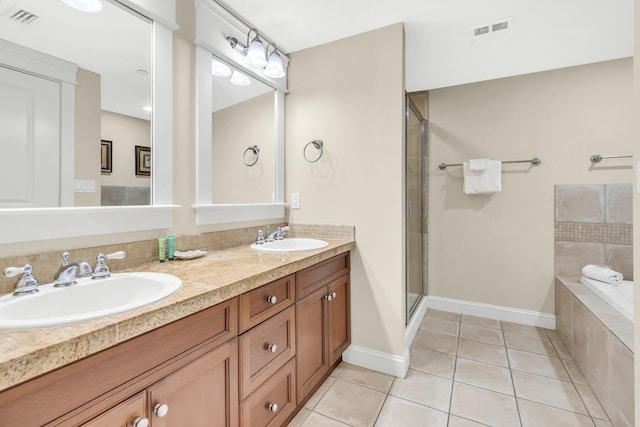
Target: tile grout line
513, 383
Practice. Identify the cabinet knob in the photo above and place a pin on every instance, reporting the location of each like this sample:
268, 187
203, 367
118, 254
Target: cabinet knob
272, 348
141, 422
161, 409
272, 299
331, 296
273, 407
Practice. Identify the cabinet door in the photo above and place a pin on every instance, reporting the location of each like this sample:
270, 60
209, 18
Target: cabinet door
203, 393
338, 318
122, 415
312, 361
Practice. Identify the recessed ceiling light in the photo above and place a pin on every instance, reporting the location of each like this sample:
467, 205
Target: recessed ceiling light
92, 6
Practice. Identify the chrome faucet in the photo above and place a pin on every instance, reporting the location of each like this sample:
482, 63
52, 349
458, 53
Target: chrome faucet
274, 235
68, 273
26, 284
102, 269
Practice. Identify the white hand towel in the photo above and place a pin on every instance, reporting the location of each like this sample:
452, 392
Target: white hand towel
485, 182
602, 273
478, 164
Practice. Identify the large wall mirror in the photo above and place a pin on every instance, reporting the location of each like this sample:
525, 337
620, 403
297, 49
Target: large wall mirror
240, 127
85, 117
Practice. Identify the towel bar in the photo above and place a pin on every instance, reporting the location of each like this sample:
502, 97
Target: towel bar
535, 162
597, 158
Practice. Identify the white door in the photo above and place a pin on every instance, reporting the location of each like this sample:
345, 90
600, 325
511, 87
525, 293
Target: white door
29, 140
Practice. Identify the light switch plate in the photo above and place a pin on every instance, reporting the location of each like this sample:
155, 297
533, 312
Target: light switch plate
85, 186
295, 200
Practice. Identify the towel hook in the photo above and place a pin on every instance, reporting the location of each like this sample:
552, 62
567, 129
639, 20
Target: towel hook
255, 150
319, 145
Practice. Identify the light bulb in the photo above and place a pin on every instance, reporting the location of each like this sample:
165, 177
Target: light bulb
92, 6
239, 79
255, 54
274, 68
219, 69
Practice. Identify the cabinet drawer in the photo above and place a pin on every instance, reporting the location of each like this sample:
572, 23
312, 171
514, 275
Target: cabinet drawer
260, 408
265, 349
122, 415
310, 278
258, 305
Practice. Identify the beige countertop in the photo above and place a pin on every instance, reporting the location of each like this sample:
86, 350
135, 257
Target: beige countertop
216, 277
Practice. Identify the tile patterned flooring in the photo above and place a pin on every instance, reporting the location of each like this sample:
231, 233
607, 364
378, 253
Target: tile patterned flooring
465, 371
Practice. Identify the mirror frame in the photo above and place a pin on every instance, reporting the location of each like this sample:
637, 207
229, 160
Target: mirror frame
213, 24
33, 224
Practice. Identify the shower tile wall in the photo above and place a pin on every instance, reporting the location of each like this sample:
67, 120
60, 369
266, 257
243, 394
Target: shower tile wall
593, 225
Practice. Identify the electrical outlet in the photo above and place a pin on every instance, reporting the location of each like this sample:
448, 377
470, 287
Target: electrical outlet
295, 200
85, 186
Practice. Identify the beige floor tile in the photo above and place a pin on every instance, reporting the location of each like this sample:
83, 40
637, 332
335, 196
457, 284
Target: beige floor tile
482, 352
435, 342
548, 391
524, 329
530, 343
399, 412
317, 420
552, 335
299, 418
481, 321
440, 326
425, 389
560, 348
537, 415
591, 402
313, 401
601, 423
351, 404
484, 406
443, 315
538, 364
336, 372
462, 422
574, 372
432, 362
481, 334
367, 378
483, 375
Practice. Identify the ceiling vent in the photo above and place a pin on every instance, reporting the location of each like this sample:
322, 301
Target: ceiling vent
490, 30
20, 16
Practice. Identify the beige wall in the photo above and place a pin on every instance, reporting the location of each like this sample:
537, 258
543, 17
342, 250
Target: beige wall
234, 129
125, 132
350, 94
499, 249
636, 198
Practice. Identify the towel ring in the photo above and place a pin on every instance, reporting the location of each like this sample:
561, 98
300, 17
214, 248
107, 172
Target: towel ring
255, 150
319, 145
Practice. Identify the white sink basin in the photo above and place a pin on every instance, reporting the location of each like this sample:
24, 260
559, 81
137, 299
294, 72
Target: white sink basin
293, 244
88, 299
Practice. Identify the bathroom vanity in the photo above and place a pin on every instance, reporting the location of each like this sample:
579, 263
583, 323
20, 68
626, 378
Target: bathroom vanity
245, 351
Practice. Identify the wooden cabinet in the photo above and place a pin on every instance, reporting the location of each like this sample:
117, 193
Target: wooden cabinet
323, 324
130, 413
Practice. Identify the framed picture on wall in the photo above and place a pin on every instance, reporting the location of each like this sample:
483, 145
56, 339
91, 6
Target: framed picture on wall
106, 156
143, 160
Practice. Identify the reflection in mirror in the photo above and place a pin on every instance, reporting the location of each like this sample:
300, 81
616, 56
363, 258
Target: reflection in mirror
52, 58
243, 117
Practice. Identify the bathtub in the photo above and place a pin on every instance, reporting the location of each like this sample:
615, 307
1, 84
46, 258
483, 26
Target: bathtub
619, 296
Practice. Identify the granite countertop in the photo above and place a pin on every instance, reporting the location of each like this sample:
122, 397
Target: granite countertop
207, 281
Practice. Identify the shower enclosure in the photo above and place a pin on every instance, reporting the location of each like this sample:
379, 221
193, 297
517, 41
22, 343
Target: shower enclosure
415, 185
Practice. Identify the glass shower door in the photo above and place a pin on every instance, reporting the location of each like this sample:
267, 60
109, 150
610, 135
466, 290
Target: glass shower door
414, 210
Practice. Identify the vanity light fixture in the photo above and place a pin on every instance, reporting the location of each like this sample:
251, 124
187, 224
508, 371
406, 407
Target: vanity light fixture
92, 6
239, 79
256, 55
219, 69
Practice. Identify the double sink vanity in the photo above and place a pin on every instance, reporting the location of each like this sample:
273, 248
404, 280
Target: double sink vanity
245, 340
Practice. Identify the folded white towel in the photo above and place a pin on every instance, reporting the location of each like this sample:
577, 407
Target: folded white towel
602, 273
478, 164
488, 181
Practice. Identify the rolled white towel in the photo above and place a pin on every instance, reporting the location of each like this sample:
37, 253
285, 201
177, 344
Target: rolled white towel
602, 273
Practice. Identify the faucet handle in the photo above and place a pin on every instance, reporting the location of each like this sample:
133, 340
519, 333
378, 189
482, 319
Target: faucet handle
102, 270
27, 284
65, 258
260, 238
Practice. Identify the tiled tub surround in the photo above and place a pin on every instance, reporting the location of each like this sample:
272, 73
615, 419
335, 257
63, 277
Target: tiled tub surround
600, 341
216, 277
593, 225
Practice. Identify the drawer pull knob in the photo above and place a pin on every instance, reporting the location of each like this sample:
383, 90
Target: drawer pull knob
273, 407
161, 409
272, 299
141, 422
272, 348
331, 296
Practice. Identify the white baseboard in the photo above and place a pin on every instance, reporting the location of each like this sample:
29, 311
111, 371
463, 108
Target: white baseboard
378, 361
497, 312
415, 322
